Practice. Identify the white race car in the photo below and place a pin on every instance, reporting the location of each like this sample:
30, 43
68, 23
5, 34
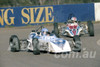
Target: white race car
74, 27
37, 42
77, 29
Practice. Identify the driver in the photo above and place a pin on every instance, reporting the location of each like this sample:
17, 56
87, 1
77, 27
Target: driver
72, 21
44, 31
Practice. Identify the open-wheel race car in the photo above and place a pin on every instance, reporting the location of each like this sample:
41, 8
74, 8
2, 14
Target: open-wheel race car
74, 27
43, 41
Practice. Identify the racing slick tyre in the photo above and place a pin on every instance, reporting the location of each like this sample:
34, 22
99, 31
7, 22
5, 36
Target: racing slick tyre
77, 46
35, 44
56, 31
14, 44
90, 28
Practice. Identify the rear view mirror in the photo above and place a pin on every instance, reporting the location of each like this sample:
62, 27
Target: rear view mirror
33, 30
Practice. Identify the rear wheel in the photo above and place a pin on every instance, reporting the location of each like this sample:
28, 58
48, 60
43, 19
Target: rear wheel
14, 44
35, 44
56, 31
90, 28
77, 46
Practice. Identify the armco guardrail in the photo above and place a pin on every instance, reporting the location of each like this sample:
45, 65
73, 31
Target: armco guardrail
21, 16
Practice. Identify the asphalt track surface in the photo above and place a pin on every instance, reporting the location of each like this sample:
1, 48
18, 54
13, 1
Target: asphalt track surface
27, 59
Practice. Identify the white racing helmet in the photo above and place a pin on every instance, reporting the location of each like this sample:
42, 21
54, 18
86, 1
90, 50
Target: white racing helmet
73, 19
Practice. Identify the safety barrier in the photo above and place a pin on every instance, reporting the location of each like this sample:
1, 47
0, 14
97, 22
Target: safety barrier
30, 15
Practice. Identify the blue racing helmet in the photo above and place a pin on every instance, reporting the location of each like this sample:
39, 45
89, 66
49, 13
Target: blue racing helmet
44, 30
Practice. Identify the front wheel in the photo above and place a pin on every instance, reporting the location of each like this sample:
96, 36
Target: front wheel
77, 46
35, 44
14, 44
